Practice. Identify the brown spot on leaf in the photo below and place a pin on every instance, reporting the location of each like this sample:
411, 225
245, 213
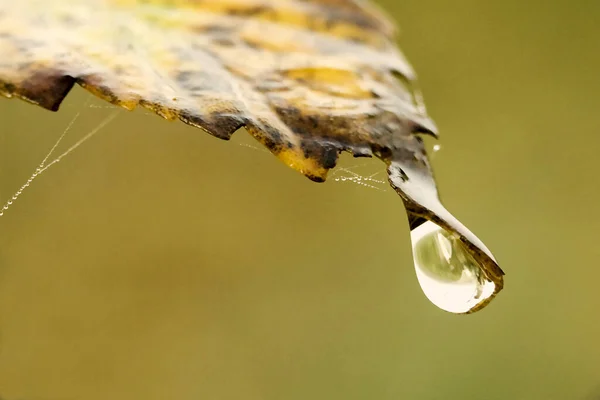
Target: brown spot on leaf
45, 87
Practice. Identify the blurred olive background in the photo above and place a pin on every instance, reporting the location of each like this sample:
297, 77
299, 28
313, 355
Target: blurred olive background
158, 262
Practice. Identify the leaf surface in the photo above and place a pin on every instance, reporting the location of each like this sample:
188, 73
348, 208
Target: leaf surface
307, 78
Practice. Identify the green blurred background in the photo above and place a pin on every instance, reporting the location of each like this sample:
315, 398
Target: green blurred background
158, 262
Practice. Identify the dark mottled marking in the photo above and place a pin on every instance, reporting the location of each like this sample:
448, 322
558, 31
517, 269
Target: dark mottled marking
46, 87
220, 126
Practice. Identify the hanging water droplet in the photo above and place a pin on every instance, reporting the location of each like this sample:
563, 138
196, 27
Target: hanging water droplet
449, 275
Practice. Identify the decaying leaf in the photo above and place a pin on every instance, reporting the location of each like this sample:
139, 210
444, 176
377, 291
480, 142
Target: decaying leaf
307, 78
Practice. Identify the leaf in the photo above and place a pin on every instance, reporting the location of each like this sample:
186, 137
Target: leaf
307, 78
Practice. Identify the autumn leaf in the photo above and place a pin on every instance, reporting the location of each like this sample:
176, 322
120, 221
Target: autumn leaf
307, 78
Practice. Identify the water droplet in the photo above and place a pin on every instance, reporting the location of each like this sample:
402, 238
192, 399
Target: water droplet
449, 275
